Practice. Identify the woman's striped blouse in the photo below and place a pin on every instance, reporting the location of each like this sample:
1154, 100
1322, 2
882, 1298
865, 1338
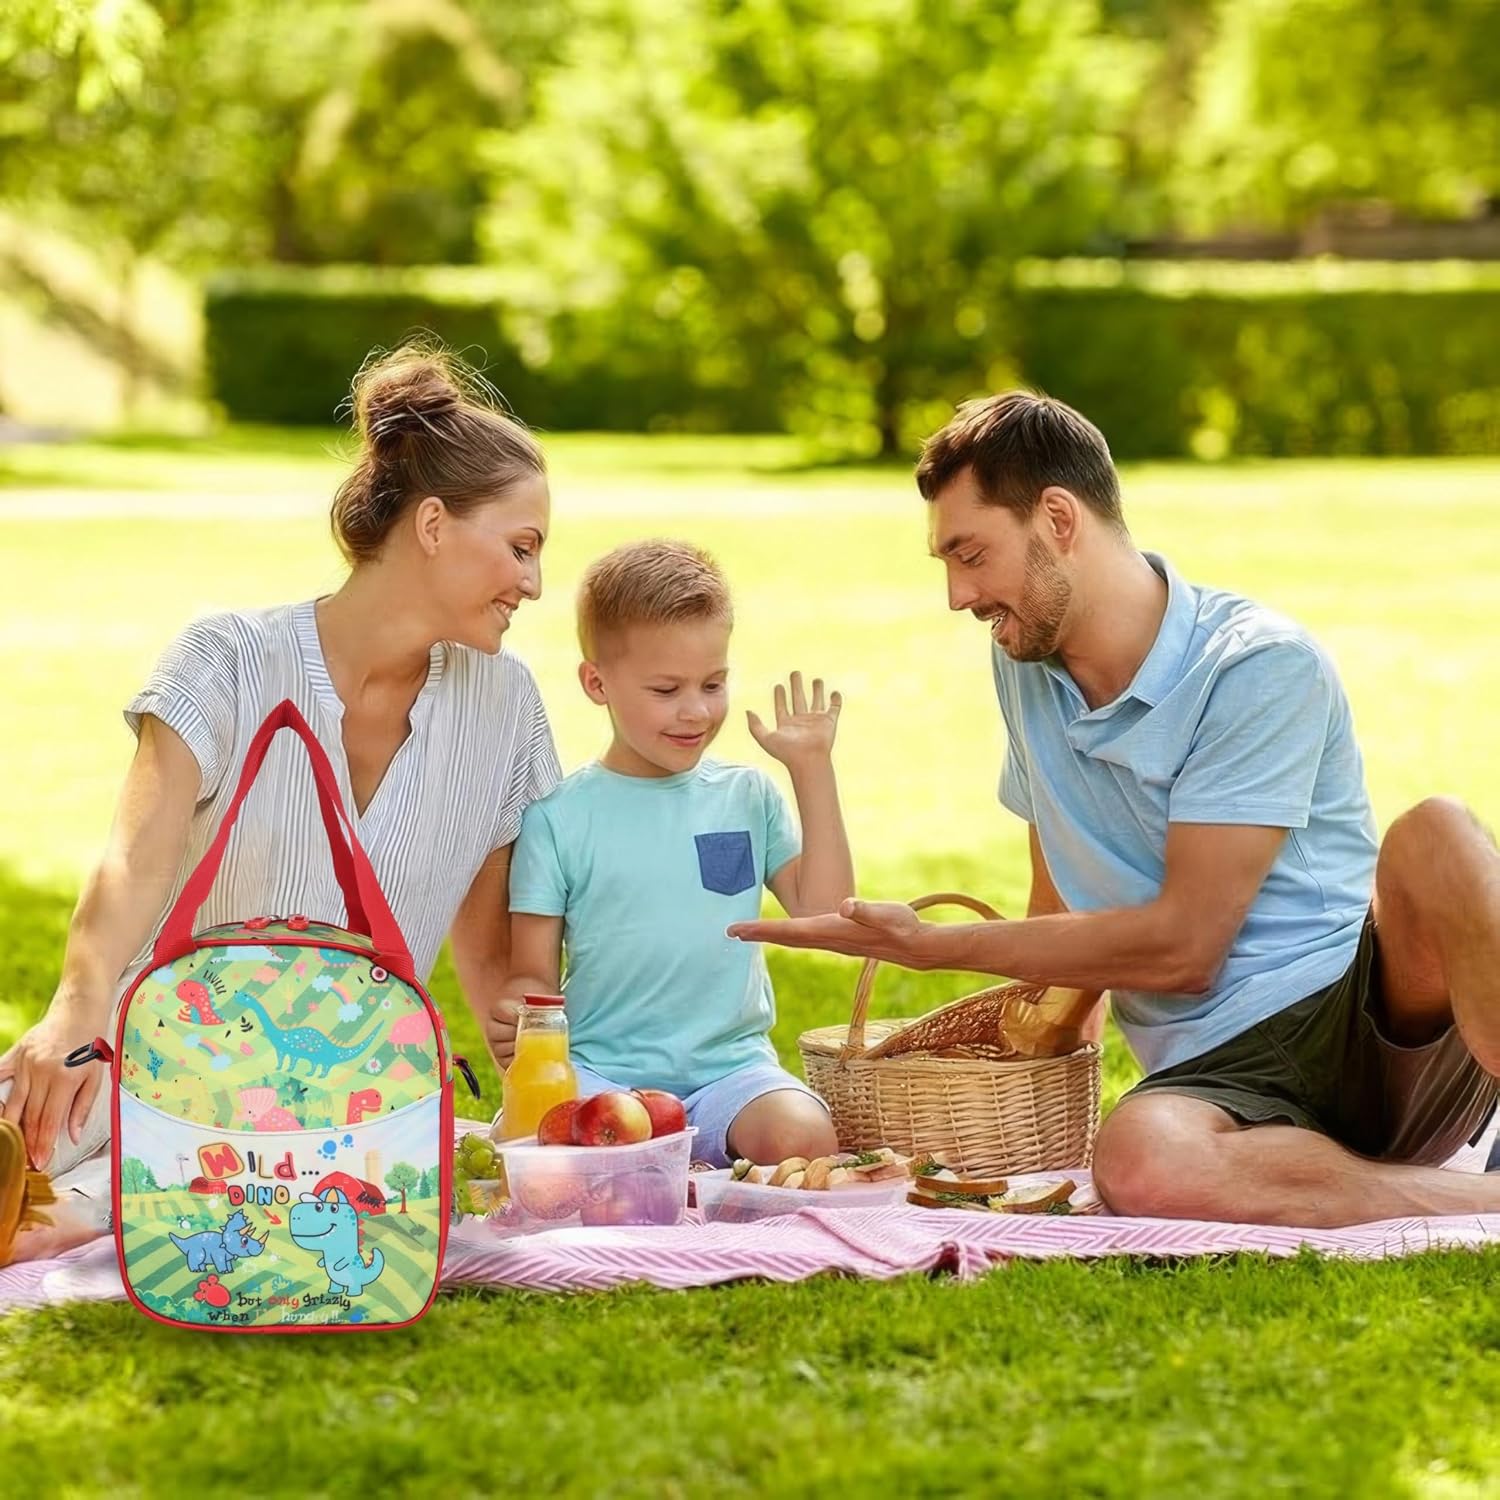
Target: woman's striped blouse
480, 749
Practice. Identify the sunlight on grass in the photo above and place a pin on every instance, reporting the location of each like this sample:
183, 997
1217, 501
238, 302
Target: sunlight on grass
1118, 1379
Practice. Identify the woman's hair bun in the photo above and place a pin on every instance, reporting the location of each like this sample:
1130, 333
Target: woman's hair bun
404, 394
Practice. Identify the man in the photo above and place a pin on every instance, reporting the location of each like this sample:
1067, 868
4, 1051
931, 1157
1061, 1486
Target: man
1318, 1014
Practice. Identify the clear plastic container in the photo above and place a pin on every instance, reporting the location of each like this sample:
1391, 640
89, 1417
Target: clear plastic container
723, 1200
540, 1074
560, 1187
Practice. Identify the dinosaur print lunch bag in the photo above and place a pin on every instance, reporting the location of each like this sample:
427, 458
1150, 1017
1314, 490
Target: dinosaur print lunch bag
282, 1106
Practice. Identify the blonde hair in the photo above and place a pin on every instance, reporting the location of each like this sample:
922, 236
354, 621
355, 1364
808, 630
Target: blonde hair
429, 424
656, 582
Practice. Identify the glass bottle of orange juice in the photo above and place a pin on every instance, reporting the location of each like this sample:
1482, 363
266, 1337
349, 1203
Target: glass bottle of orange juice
539, 1074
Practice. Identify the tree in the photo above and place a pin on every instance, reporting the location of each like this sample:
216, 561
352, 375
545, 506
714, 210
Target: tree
402, 1178
825, 195
298, 130
390, 155
1301, 105
102, 49
189, 165
241, 131
137, 1177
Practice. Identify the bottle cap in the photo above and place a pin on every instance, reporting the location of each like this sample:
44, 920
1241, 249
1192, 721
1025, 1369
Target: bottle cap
544, 1001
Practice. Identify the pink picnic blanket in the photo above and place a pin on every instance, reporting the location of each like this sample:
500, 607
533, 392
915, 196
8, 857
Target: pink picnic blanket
880, 1243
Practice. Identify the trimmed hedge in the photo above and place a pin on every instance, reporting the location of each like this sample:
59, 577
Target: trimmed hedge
1170, 359
1263, 359
283, 343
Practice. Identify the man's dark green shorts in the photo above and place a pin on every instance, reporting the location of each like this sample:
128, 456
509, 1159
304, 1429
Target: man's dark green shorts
1326, 1064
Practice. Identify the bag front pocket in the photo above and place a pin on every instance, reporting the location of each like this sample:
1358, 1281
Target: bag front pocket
230, 1229
726, 862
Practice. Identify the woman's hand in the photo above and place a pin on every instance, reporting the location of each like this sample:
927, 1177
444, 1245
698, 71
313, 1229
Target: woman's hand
46, 1095
806, 732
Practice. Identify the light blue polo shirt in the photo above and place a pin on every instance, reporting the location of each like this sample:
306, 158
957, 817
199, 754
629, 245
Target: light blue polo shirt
1235, 716
646, 873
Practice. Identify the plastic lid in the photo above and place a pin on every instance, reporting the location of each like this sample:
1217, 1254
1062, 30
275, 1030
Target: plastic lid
544, 1001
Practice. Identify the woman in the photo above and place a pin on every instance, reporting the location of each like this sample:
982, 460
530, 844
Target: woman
439, 740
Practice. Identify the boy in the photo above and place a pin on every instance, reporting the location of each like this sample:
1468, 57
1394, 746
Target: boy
637, 863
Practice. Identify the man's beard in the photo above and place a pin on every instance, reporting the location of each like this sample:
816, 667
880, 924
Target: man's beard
1039, 614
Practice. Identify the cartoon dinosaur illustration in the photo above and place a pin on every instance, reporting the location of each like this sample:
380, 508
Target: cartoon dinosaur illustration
412, 1030
329, 1226
239, 1238
220, 1248
360, 1103
189, 1097
259, 1106
196, 1001
307, 1044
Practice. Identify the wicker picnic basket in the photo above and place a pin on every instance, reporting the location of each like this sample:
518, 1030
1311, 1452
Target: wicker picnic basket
950, 1085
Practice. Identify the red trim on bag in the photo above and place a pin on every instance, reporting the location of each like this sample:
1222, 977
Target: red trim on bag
445, 1150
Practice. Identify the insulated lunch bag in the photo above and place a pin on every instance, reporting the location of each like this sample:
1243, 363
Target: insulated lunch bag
282, 1106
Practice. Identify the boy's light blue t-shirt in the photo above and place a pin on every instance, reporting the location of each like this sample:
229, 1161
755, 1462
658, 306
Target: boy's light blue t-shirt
1235, 716
646, 874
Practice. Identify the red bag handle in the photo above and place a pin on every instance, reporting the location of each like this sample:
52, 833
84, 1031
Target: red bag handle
368, 910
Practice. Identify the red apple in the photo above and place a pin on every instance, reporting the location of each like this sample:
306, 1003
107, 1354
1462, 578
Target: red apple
666, 1111
612, 1119
556, 1128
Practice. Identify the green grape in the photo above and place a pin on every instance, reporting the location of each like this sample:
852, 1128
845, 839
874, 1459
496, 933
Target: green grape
477, 1155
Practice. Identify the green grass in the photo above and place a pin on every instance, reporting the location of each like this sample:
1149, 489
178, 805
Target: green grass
1217, 1379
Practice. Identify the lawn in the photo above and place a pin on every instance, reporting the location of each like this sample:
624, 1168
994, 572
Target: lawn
1219, 1379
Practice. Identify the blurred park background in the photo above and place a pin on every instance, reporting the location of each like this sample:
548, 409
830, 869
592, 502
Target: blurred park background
1265, 227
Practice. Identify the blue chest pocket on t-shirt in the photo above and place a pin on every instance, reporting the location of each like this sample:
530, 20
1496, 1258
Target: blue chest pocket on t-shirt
725, 861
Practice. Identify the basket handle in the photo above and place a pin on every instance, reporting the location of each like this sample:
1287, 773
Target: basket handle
854, 1044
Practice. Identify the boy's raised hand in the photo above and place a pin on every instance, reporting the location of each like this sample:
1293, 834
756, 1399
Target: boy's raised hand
804, 732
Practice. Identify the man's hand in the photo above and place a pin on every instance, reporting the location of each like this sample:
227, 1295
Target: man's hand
500, 1031
804, 734
888, 930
